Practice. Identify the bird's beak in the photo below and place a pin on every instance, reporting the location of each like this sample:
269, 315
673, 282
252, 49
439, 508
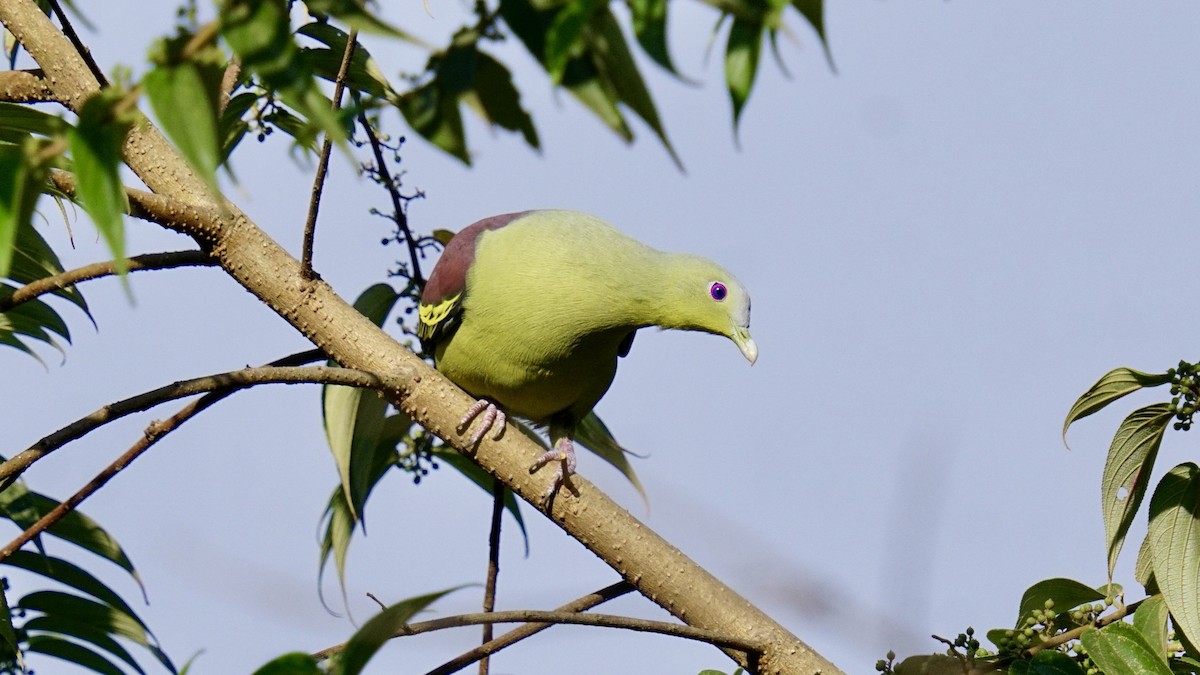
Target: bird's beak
741, 337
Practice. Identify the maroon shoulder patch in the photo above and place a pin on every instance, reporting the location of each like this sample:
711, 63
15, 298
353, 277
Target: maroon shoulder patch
449, 276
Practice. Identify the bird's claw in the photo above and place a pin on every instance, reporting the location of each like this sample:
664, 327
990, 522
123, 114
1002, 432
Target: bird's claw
564, 454
492, 418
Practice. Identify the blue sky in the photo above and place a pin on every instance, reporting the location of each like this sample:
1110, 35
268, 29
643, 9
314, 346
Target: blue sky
948, 240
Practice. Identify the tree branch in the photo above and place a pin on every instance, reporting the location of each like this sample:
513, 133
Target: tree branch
314, 204
200, 221
231, 381
600, 620
153, 434
24, 86
493, 568
658, 570
137, 263
521, 632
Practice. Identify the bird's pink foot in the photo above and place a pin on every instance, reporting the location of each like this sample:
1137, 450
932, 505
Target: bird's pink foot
492, 418
564, 454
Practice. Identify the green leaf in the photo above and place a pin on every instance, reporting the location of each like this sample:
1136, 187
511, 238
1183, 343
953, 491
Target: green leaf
29, 120
1151, 620
233, 126
1175, 544
594, 435
19, 191
813, 11
1143, 571
484, 480
95, 616
1119, 648
564, 38
185, 103
34, 259
363, 644
650, 27
259, 32
72, 653
497, 100
65, 627
354, 417
1112, 386
95, 145
364, 73
67, 573
1127, 472
435, 116
24, 507
354, 14
8, 637
616, 65
1067, 594
1047, 662
295, 663
741, 62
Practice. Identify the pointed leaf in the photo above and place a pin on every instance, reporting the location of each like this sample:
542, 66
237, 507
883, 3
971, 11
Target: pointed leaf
56, 626
95, 145
650, 28
363, 644
72, 653
813, 11
616, 65
741, 62
8, 638
434, 115
1120, 648
34, 259
1143, 570
24, 507
1067, 594
338, 523
354, 14
497, 100
594, 435
1112, 386
185, 104
564, 38
364, 73
1151, 620
29, 120
296, 663
1127, 472
68, 573
1175, 544
19, 190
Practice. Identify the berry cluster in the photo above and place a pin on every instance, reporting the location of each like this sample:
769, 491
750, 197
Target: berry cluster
1185, 392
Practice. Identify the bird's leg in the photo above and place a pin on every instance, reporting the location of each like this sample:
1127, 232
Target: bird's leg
564, 454
493, 417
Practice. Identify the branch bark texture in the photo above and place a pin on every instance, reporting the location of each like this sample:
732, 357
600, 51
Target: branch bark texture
656, 568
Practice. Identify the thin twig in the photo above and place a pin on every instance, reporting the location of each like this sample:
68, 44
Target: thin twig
137, 263
401, 217
154, 433
231, 381
600, 620
314, 204
521, 632
84, 52
1063, 638
493, 570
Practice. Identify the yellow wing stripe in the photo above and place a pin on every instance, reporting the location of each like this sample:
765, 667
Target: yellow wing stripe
431, 315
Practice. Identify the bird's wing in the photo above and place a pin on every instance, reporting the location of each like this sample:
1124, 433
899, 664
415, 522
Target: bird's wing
441, 307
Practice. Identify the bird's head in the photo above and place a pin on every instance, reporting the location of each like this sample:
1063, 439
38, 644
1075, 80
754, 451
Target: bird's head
713, 300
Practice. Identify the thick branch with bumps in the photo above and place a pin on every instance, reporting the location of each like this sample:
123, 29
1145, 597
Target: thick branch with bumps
655, 568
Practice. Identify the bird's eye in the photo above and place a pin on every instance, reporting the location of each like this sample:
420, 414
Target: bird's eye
718, 291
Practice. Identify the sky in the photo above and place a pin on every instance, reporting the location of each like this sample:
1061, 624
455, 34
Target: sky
948, 239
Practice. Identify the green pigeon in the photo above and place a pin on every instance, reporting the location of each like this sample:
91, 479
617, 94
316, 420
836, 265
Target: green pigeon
529, 311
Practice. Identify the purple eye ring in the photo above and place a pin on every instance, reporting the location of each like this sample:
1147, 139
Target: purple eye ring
718, 291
